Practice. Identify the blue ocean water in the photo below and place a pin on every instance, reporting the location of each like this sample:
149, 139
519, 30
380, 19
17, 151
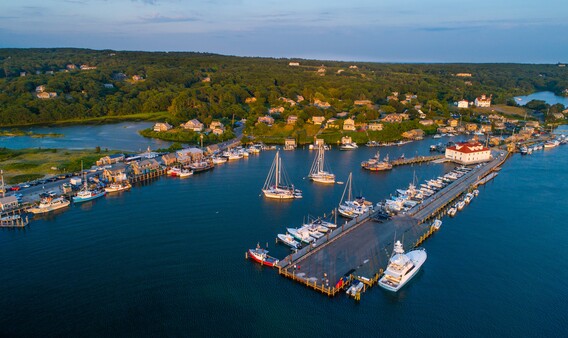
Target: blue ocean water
168, 258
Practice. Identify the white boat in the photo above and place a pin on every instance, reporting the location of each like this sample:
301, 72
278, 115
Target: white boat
437, 136
348, 146
349, 207
460, 205
276, 185
437, 224
49, 204
185, 173
118, 186
219, 159
289, 241
402, 267
320, 223
318, 172
468, 198
356, 287
301, 234
475, 192
452, 211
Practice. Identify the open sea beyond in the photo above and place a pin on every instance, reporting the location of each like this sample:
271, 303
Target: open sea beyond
168, 258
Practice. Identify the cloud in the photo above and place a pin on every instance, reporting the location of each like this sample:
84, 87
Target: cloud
147, 2
158, 18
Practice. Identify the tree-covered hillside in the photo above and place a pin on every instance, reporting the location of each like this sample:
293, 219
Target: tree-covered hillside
207, 86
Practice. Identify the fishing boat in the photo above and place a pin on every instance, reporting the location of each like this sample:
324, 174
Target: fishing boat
86, 194
118, 186
402, 267
277, 185
460, 205
261, 256
185, 173
318, 172
437, 224
349, 207
355, 288
375, 164
200, 166
551, 144
289, 241
49, 204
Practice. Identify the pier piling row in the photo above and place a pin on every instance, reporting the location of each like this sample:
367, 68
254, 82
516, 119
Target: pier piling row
361, 247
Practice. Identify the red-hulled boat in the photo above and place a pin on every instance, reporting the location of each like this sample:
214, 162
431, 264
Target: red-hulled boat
261, 256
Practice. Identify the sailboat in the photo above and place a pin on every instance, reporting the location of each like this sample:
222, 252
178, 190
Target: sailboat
317, 172
350, 207
276, 188
85, 194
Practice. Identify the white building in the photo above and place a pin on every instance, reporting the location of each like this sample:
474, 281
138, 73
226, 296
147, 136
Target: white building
483, 101
463, 104
468, 153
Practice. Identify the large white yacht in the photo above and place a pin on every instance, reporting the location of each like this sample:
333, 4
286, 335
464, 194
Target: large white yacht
402, 267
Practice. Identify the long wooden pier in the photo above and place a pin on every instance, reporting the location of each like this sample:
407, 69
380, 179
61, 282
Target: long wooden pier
360, 248
417, 159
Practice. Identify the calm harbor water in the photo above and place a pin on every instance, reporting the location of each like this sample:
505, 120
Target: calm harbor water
167, 258
548, 97
119, 136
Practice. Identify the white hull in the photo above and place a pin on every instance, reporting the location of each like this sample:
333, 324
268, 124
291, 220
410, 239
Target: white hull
418, 257
278, 194
45, 208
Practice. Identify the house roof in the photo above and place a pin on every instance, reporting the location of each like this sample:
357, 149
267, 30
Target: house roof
8, 200
469, 147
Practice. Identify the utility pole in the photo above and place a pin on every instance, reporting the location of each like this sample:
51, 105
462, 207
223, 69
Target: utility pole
3, 190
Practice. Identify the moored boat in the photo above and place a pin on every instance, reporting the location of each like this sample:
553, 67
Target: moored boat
402, 267
277, 185
49, 204
318, 172
289, 241
437, 224
118, 186
261, 256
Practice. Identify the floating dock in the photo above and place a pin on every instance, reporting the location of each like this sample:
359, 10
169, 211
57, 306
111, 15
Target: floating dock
417, 159
360, 249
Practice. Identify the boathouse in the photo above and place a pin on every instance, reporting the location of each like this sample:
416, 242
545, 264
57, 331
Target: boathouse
169, 159
289, 144
145, 166
116, 173
110, 159
8, 203
468, 153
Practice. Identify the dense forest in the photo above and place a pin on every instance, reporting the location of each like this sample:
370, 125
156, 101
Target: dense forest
208, 86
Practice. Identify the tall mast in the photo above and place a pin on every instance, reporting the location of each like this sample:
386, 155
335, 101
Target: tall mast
277, 169
3, 190
350, 197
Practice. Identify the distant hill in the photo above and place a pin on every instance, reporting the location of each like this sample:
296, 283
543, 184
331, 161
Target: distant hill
50, 85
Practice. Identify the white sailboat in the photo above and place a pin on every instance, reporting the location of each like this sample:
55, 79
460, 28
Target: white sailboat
318, 172
349, 207
277, 188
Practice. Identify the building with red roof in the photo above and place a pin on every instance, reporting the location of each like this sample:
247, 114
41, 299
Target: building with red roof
468, 153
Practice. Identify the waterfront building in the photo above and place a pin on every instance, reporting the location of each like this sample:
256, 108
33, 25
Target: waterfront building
162, 126
110, 159
8, 203
189, 155
116, 173
145, 166
193, 124
468, 153
169, 159
289, 143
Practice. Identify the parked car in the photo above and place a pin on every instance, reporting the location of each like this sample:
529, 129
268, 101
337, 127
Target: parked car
15, 188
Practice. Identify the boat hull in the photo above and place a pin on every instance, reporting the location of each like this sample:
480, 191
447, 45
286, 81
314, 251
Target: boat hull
77, 199
268, 261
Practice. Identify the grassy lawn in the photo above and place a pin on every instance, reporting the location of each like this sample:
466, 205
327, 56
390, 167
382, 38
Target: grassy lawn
29, 164
159, 116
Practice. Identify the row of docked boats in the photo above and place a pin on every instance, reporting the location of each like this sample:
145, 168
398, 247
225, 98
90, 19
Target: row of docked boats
527, 150
460, 204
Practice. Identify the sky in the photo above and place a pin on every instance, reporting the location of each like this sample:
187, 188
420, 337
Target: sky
350, 30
